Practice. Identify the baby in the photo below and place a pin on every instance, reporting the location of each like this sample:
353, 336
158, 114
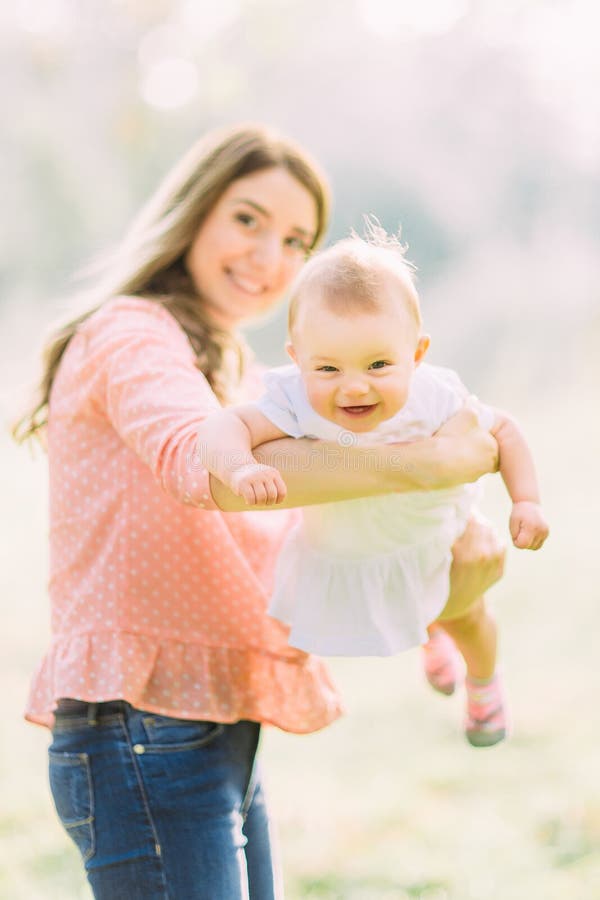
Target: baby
371, 576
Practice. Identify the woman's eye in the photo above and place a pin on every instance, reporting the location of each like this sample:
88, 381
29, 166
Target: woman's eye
379, 364
296, 243
246, 218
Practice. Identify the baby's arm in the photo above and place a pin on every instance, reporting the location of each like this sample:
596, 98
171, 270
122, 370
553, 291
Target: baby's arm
224, 447
528, 528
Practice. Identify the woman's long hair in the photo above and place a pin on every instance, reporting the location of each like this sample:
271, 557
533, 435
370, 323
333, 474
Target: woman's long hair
150, 261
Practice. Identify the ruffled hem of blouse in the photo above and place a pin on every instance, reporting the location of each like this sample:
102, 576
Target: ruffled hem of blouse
185, 680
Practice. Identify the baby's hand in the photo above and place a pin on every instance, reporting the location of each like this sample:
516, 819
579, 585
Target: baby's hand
259, 485
528, 528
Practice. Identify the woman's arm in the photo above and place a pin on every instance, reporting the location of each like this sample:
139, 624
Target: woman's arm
319, 472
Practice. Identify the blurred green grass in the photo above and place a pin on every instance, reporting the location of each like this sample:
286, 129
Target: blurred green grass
390, 802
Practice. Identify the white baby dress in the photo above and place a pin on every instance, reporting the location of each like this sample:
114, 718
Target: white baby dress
365, 577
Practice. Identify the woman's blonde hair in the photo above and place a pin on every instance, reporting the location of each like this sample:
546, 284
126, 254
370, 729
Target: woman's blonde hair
150, 261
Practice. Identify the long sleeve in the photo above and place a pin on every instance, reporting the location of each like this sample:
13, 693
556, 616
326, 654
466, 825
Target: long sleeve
146, 382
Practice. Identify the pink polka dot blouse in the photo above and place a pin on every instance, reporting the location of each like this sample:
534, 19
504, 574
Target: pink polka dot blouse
157, 597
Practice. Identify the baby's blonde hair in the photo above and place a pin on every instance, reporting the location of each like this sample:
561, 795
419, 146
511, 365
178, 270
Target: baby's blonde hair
351, 276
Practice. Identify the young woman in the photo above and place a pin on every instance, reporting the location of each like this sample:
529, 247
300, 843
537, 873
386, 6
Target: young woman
163, 662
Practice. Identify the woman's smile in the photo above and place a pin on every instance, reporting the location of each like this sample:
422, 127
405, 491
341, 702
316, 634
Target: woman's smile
245, 283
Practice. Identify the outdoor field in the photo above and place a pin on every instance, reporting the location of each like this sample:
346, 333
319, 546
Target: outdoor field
390, 802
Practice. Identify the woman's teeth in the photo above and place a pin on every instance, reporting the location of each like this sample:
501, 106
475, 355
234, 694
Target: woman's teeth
246, 284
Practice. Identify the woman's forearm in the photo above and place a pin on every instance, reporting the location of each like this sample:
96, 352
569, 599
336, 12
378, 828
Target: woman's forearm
319, 472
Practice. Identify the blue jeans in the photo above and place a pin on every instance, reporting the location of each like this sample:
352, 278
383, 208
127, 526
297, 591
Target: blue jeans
162, 808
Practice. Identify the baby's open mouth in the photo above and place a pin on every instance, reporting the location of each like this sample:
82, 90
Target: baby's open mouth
359, 410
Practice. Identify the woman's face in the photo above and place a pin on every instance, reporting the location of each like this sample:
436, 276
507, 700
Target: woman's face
251, 245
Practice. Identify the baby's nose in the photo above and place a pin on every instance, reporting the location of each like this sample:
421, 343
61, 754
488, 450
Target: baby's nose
356, 387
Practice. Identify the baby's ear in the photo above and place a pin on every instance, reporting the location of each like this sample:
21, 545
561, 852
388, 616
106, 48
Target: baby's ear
422, 348
290, 351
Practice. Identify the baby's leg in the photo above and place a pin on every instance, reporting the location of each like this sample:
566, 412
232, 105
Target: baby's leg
474, 633
478, 560
442, 663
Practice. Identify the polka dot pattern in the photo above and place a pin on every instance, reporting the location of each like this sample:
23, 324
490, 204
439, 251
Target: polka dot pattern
157, 597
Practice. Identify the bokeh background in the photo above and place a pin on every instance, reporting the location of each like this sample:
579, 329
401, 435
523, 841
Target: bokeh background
476, 127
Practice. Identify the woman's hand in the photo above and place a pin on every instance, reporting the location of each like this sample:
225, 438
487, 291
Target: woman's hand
477, 563
466, 450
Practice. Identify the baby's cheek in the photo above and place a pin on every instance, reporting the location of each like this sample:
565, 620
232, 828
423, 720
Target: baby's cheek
396, 399
320, 398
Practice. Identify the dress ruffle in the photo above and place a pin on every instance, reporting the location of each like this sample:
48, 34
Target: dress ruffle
374, 606
185, 680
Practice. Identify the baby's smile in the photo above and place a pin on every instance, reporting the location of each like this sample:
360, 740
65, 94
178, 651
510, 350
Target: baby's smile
359, 411
357, 369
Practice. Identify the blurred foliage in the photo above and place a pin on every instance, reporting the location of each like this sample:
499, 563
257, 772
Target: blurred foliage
477, 131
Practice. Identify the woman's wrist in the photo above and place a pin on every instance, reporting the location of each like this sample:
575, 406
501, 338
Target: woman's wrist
441, 461
465, 458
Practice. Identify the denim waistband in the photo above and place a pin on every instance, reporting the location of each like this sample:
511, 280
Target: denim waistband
90, 710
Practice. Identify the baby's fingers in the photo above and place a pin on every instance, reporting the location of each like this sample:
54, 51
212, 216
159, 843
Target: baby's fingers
275, 490
528, 536
247, 491
265, 492
539, 537
280, 489
528, 527
523, 539
269, 490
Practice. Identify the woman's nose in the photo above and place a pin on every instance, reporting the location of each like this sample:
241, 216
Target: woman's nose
267, 253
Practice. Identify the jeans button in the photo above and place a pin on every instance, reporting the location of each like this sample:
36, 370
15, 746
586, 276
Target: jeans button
139, 748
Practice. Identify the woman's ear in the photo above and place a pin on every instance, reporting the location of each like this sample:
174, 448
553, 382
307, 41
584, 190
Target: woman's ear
422, 348
291, 352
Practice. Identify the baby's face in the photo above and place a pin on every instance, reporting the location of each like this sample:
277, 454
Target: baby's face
356, 368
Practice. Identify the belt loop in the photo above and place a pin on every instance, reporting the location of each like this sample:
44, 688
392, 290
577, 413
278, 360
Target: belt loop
92, 714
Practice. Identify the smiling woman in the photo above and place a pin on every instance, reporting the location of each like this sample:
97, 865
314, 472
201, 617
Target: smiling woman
163, 663
252, 244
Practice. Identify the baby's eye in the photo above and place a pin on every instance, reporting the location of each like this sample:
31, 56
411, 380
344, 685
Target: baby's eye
326, 369
379, 364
